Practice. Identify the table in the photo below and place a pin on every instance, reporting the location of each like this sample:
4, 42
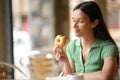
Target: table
56, 78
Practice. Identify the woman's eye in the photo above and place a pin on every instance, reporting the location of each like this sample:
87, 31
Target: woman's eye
81, 21
73, 20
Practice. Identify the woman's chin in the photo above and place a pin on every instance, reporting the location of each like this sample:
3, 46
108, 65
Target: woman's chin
77, 35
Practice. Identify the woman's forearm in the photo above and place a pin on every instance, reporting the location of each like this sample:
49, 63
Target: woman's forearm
99, 75
67, 68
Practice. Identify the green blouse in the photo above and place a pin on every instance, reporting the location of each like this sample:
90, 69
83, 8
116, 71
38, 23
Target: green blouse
97, 54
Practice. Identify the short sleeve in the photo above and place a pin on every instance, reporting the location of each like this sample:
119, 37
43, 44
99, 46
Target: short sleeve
69, 51
109, 50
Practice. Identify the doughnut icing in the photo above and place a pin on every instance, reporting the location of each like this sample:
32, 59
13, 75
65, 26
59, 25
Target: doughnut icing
60, 40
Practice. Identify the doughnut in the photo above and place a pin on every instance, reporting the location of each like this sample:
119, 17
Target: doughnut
60, 41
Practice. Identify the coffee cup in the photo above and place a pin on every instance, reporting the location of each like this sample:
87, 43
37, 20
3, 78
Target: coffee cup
75, 76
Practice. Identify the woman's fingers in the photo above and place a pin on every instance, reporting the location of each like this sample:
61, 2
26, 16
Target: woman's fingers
57, 56
55, 49
58, 53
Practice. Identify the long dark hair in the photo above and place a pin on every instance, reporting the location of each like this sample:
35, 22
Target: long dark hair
93, 11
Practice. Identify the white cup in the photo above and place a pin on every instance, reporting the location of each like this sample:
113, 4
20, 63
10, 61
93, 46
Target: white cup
75, 76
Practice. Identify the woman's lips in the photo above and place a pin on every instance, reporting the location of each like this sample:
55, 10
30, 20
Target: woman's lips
76, 31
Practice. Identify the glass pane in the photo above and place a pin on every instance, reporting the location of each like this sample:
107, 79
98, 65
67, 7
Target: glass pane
33, 28
113, 19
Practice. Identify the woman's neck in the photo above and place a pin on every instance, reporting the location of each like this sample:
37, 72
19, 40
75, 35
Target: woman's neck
87, 42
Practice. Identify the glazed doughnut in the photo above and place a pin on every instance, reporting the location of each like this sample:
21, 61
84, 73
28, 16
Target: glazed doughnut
60, 41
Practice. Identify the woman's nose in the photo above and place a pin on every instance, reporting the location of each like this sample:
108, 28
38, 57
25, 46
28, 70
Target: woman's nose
74, 24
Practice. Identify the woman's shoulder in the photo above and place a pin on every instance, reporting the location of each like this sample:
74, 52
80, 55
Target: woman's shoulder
104, 43
107, 42
109, 48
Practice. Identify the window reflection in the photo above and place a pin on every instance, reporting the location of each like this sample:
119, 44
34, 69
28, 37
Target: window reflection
33, 27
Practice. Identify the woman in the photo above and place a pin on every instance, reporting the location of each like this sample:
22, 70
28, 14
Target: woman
94, 53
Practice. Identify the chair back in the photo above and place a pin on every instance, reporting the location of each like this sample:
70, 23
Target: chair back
42, 65
3, 71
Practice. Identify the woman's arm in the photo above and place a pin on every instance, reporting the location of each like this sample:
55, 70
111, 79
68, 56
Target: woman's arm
61, 56
107, 73
68, 67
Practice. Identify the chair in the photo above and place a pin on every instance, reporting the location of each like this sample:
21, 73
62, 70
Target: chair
42, 65
5, 71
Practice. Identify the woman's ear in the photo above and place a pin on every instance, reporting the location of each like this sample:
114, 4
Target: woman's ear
95, 23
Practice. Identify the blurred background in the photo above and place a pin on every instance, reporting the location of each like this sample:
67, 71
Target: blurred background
28, 29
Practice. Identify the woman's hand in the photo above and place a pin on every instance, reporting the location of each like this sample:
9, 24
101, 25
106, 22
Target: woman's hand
59, 54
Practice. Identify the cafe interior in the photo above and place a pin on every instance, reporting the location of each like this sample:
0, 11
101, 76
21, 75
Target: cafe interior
28, 29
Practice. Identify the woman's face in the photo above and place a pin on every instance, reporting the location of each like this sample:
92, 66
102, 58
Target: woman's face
81, 23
